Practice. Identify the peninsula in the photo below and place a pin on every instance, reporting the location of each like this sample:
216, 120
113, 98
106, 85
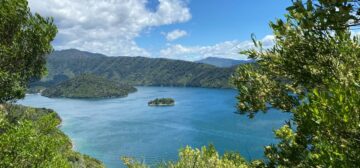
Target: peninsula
88, 86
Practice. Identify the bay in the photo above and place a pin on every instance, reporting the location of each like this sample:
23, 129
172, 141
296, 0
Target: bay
110, 128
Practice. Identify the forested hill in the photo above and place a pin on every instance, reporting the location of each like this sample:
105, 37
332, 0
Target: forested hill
88, 86
136, 70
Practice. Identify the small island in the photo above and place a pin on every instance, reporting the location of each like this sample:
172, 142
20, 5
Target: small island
162, 102
88, 86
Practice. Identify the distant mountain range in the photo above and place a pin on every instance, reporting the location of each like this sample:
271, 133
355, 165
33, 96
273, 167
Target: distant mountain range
137, 71
223, 62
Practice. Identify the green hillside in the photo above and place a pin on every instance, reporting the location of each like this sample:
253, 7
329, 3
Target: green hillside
138, 71
88, 86
30, 137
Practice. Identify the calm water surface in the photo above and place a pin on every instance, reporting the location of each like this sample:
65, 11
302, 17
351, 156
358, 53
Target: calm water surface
108, 129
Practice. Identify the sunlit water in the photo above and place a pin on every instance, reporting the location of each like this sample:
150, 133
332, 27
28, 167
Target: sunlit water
111, 128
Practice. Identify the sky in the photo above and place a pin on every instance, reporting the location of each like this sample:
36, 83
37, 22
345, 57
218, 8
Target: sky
176, 29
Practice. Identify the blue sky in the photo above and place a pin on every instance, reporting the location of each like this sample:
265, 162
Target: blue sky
176, 29
216, 21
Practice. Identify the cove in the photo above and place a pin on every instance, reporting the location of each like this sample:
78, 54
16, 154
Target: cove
110, 128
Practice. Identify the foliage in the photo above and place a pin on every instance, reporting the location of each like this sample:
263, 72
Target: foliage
26, 145
206, 157
78, 160
312, 71
328, 132
133, 163
137, 71
88, 86
308, 54
24, 41
29, 137
162, 102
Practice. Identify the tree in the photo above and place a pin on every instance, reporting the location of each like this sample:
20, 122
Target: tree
29, 137
327, 132
313, 71
25, 40
206, 157
311, 50
32, 144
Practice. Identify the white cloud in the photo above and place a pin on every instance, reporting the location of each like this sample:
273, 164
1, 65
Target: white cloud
227, 49
108, 26
355, 33
176, 34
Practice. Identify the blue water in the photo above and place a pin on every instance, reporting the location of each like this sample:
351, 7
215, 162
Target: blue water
111, 128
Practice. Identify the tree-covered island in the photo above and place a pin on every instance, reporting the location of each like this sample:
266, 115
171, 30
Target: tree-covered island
89, 86
162, 102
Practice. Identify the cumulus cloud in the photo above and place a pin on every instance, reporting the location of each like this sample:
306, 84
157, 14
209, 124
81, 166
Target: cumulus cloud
176, 34
227, 49
108, 26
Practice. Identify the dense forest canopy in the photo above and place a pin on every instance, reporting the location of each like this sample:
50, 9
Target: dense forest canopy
138, 71
88, 86
29, 137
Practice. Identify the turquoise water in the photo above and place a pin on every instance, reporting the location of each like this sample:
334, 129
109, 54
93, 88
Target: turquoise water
108, 129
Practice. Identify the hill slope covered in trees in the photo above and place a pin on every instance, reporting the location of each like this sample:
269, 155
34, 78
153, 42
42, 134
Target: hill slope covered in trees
139, 71
30, 137
88, 86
